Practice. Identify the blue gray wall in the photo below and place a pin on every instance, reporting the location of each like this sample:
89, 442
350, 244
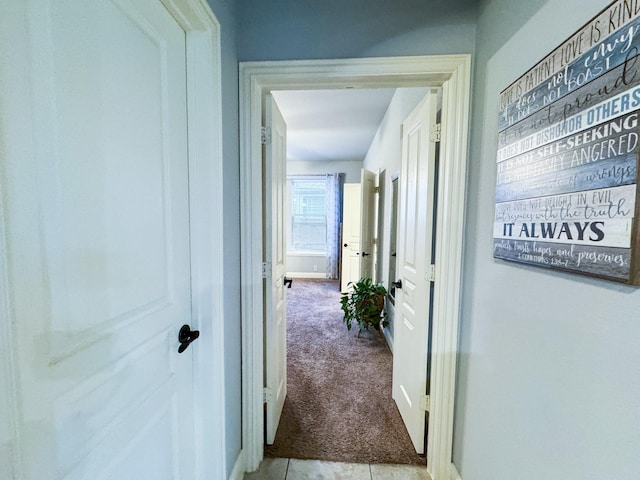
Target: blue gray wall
312, 29
548, 381
230, 211
548, 377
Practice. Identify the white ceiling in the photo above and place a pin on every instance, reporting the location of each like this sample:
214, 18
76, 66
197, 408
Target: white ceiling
331, 124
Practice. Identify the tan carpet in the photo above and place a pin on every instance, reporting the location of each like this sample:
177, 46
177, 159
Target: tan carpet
339, 405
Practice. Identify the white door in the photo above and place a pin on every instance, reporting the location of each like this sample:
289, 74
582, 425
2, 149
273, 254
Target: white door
368, 223
350, 235
275, 178
415, 226
97, 229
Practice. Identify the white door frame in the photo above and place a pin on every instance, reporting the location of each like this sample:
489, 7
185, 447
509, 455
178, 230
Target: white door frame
452, 73
204, 100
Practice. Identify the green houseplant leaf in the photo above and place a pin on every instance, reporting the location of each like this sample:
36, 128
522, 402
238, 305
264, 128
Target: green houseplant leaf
364, 304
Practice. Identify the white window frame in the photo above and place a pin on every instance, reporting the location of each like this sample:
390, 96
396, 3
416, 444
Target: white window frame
289, 214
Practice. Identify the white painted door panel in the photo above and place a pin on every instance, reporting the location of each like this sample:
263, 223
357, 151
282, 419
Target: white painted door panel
275, 179
98, 245
415, 224
351, 215
367, 224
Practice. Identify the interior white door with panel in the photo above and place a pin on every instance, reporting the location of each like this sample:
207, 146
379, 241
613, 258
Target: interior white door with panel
275, 180
413, 289
368, 223
351, 214
97, 231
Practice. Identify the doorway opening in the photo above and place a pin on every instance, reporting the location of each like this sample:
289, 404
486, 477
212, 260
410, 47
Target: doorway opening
452, 74
357, 132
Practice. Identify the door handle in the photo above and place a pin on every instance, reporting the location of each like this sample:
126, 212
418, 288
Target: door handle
397, 283
365, 254
288, 282
186, 336
346, 245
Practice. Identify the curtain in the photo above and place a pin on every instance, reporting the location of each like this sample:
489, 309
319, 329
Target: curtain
333, 199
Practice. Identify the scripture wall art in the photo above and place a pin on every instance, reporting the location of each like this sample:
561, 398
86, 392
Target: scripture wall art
567, 160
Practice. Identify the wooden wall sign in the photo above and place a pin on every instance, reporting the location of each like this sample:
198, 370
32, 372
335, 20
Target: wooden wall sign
567, 162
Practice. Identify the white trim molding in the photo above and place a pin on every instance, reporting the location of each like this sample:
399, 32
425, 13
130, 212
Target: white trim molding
14, 142
315, 275
237, 473
206, 185
9, 405
453, 473
204, 118
452, 74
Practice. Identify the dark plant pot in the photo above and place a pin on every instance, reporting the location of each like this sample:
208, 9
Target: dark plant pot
379, 301
373, 318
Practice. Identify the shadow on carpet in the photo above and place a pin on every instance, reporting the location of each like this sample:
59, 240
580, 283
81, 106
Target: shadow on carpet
339, 405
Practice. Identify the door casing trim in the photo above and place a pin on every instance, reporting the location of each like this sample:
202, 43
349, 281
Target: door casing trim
453, 74
204, 119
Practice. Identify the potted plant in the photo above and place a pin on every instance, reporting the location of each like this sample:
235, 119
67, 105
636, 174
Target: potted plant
364, 304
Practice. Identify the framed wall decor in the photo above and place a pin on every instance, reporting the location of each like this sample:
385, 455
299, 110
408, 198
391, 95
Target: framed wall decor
567, 159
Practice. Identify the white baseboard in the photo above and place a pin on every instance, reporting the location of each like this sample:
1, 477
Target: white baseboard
388, 338
306, 275
453, 473
239, 468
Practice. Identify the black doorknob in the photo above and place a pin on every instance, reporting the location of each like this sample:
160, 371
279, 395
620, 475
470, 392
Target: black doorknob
186, 336
397, 284
365, 254
346, 244
288, 282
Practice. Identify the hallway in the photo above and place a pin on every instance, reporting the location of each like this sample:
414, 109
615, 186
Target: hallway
339, 406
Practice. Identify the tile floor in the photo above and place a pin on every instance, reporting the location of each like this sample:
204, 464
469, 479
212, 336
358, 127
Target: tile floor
292, 469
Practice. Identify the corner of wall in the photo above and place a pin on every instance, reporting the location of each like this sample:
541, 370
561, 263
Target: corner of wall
453, 473
238, 471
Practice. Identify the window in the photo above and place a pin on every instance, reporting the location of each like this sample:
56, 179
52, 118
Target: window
308, 215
